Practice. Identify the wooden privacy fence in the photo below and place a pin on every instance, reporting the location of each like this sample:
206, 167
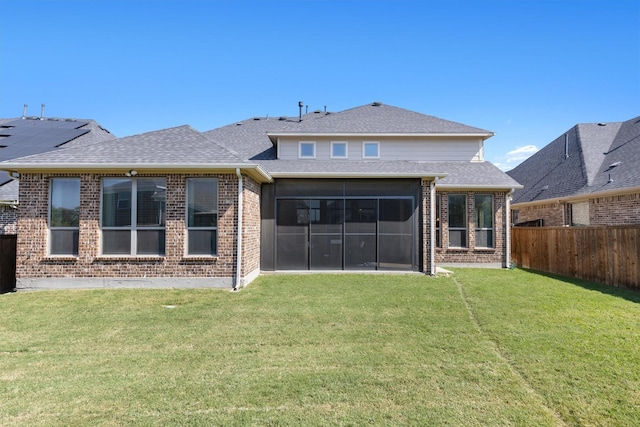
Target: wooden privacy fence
7, 262
608, 255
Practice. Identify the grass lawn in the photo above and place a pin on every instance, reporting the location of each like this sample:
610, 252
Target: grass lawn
483, 347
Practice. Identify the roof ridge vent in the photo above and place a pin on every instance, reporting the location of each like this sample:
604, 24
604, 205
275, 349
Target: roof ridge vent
376, 104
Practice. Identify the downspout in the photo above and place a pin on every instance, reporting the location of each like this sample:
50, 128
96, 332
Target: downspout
508, 229
236, 285
432, 227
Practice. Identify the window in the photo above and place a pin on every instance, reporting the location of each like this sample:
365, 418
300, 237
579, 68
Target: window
484, 220
64, 216
370, 150
202, 216
457, 220
307, 150
133, 216
339, 150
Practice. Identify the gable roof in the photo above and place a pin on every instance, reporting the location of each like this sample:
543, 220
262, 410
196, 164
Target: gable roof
577, 163
248, 145
178, 148
376, 119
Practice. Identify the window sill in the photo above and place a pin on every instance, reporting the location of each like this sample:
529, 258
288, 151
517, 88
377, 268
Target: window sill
61, 258
484, 249
199, 257
131, 258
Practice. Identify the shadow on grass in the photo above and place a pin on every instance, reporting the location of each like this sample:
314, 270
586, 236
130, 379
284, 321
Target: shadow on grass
627, 294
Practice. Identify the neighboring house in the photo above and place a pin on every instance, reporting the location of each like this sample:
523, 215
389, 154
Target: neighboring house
589, 175
370, 188
31, 135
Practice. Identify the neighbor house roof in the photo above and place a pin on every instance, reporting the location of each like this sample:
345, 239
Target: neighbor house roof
588, 159
32, 135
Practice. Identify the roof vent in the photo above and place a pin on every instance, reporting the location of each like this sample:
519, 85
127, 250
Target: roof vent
602, 124
256, 118
615, 164
282, 118
317, 112
377, 104
238, 124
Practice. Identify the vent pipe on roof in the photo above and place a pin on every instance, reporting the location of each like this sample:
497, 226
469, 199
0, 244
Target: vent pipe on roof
42, 112
300, 105
566, 145
24, 112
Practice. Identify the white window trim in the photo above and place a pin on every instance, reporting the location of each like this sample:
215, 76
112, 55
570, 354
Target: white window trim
346, 149
300, 144
193, 228
365, 143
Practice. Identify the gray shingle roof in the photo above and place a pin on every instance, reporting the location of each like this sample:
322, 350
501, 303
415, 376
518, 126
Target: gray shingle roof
248, 143
592, 148
176, 146
378, 118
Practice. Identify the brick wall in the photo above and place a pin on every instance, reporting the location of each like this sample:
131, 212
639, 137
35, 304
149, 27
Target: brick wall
426, 227
471, 254
8, 219
552, 214
33, 261
615, 210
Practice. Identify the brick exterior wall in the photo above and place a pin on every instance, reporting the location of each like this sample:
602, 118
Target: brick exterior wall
8, 220
426, 227
615, 210
552, 214
33, 261
471, 254
623, 209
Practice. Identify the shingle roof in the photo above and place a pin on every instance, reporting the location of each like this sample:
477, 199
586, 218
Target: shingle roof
247, 143
378, 118
458, 174
180, 145
591, 149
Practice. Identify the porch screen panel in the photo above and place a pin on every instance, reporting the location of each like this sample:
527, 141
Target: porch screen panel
361, 224
292, 234
395, 244
326, 219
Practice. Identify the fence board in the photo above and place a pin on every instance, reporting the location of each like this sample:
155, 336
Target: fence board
608, 255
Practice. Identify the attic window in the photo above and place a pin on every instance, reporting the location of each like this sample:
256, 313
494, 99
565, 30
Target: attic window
307, 149
370, 150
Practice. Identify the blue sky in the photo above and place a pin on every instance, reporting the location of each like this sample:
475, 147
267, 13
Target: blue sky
526, 70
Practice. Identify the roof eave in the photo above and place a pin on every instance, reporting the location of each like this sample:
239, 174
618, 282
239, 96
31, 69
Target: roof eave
479, 186
357, 175
253, 170
274, 136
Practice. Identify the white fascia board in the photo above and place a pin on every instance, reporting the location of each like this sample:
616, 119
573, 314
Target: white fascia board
354, 175
275, 137
253, 169
477, 187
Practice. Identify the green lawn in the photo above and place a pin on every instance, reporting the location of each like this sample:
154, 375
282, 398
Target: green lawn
480, 348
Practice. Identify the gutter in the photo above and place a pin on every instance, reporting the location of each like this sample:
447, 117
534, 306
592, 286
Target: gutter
432, 227
257, 170
236, 284
508, 228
